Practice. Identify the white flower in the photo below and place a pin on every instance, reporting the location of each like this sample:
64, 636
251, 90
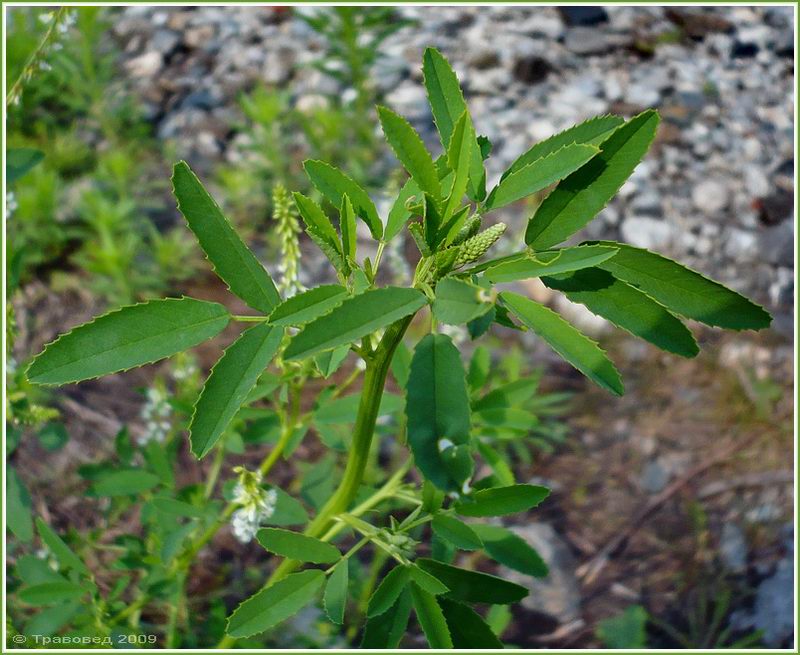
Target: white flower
257, 504
156, 413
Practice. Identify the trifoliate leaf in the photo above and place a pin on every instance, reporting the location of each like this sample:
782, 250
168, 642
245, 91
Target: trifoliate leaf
552, 262
499, 501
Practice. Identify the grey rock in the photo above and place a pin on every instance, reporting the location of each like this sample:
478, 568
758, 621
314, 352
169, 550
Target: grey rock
742, 245
587, 41
642, 95
583, 15
654, 477
646, 232
558, 594
145, 65
776, 244
733, 547
711, 196
165, 41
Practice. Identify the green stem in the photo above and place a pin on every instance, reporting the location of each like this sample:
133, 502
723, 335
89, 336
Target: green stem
248, 319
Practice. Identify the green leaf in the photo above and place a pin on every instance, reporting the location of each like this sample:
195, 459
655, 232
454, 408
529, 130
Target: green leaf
578, 198
19, 161
425, 581
333, 184
173, 507
576, 348
229, 384
50, 593
62, 552
288, 510
458, 302
626, 630
128, 337
500, 501
684, 291
276, 603
591, 132
232, 260
128, 482
388, 591
399, 214
437, 407
411, 151
447, 104
306, 306
456, 532
18, 506
508, 549
297, 546
431, 618
473, 587
387, 629
627, 308
550, 263
335, 596
467, 627
540, 174
316, 219
329, 361
459, 158
355, 318
347, 225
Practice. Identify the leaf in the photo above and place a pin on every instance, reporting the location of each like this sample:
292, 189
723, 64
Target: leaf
447, 104
456, 532
347, 225
627, 308
507, 548
591, 132
173, 507
576, 348
18, 506
458, 302
388, 591
467, 627
437, 407
431, 618
356, 317
626, 630
128, 482
399, 214
66, 558
333, 184
229, 384
128, 337
19, 161
459, 157
308, 305
316, 219
500, 501
329, 361
550, 263
387, 629
411, 151
335, 596
425, 581
471, 586
578, 198
685, 291
232, 260
50, 593
276, 603
288, 510
540, 174
294, 545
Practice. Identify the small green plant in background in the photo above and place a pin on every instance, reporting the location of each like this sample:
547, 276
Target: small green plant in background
408, 502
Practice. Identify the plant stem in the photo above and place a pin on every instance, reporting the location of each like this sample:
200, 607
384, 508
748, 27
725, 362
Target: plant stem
248, 319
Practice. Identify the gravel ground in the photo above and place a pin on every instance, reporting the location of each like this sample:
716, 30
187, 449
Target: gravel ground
716, 191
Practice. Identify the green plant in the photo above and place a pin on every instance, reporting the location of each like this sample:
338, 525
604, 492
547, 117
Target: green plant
308, 336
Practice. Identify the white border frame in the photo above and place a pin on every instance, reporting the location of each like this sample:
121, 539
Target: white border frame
5, 5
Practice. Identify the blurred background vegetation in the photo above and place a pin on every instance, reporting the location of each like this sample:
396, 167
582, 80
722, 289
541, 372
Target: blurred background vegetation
671, 508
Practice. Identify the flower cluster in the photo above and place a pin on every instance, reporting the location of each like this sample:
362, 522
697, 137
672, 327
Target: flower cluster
156, 414
256, 504
288, 229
